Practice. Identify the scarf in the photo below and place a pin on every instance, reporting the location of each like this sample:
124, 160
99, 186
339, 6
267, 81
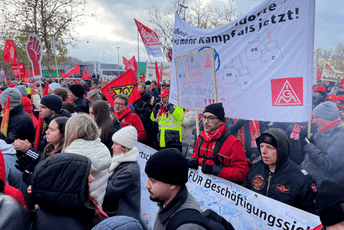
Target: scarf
130, 156
122, 115
330, 125
216, 134
162, 110
254, 133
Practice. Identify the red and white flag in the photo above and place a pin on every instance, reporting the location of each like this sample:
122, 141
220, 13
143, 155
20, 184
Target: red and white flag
10, 55
27, 76
158, 75
75, 69
150, 39
86, 75
131, 64
18, 70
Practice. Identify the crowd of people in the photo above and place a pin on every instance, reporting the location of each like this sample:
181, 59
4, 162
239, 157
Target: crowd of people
78, 169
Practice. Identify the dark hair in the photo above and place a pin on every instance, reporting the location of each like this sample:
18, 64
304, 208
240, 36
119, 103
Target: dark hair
69, 106
103, 118
62, 92
49, 150
124, 97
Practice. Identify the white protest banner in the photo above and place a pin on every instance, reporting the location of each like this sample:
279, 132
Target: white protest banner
330, 74
151, 75
243, 208
264, 60
34, 49
196, 80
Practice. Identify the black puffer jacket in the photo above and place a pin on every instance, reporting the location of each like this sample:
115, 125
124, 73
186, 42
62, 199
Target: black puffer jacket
60, 188
82, 105
289, 183
20, 126
116, 126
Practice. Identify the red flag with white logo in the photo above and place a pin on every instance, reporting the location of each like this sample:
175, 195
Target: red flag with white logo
131, 64
27, 76
18, 70
86, 75
10, 55
150, 39
75, 69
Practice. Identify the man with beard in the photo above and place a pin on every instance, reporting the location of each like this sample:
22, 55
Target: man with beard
217, 151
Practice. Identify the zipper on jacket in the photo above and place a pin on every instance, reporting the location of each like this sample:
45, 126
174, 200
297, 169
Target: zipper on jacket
269, 179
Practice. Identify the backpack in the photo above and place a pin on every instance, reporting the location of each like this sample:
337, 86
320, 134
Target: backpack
210, 220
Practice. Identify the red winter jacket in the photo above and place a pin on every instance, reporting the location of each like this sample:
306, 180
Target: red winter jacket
128, 118
8, 189
231, 155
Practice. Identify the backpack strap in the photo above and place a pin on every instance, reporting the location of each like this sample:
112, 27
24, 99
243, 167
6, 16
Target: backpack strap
191, 216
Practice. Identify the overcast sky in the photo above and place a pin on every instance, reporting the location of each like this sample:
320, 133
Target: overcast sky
115, 27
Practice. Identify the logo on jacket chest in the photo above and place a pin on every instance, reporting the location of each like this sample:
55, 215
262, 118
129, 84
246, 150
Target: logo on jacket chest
258, 182
282, 188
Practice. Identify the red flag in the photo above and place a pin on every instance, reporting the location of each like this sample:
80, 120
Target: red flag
27, 76
74, 70
169, 54
86, 75
150, 39
18, 70
143, 78
319, 74
158, 77
131, 64
125, 84
40, 120
10, 55
6, 117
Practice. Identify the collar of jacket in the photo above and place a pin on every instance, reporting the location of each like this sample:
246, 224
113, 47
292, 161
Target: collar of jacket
122, 115
175, 203
16, 110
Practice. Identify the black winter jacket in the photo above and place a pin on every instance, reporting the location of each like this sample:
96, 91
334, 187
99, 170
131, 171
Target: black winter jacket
289, 183
116, 126
82, 105
20, 126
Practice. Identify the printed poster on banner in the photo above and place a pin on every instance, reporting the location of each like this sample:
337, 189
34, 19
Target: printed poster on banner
34, 49
196, 80
245, 209
151, 75
252, 51
331, 74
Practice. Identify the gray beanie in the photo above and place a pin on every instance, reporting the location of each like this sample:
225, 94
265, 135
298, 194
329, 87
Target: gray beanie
14, 94
95, 96
22, 89
327, 110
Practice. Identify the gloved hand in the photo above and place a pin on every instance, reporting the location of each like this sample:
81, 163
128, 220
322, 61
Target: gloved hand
24, 164
170, 107
156, 109
211, 169
193, 163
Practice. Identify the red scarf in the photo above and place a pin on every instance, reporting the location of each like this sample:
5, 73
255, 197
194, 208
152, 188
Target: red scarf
162, 110
254, 133
330, 125
216, 134
122, 115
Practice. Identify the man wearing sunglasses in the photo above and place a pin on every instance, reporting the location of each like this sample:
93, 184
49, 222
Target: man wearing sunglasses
217, 151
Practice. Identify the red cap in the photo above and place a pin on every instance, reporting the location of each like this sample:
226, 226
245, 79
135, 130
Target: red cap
331, 97
319, 88
340, 97
165, 93
327, 82
11, 85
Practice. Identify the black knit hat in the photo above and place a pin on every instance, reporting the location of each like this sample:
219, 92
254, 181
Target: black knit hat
168, 166
266, 138
77, 90
331, 202
52, 102
216, 109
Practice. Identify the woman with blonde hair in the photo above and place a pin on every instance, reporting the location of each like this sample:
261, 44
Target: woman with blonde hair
82, 137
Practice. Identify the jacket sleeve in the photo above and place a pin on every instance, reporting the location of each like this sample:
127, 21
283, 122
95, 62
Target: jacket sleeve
235, 165
195, 153
152, 117
308, 195
178, 113
14, 132
119, 185
332, 159
141, 133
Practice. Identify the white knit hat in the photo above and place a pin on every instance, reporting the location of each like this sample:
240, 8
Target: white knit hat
126, 136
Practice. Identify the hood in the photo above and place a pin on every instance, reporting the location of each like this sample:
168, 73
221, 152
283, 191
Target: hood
27, 104
64, 113
60, 184
118, 223
283, 148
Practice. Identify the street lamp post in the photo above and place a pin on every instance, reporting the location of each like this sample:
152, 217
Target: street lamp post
118, 60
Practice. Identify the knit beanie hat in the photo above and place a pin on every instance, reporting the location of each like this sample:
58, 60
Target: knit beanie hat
118, 223
22, 89
126, 136
95, 96
216, 109
77, 90
168, 166
327, 110
14, 94
52, 102
54, 85
266, 138
331, 202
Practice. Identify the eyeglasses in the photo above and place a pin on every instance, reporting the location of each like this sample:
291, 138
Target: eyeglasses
210, 118
121, 104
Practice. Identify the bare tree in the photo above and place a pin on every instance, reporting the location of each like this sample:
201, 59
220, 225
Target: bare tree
46, 18
338, 56
195, 13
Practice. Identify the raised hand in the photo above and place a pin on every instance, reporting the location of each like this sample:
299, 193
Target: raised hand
34, 51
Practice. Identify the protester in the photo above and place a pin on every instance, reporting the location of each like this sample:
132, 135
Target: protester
123, 192
60, 187
76, 94
324, 154
330, 201
319, 95
150, 127
93, 95
126, 117
167, 173
154, 91
277, 177
82, 137
169, 118
20, 125
108, 124
141, 88
217, 151
62, 92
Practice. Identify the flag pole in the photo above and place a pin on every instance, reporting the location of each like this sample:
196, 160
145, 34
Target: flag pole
57, 71
316, 67
138, 57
